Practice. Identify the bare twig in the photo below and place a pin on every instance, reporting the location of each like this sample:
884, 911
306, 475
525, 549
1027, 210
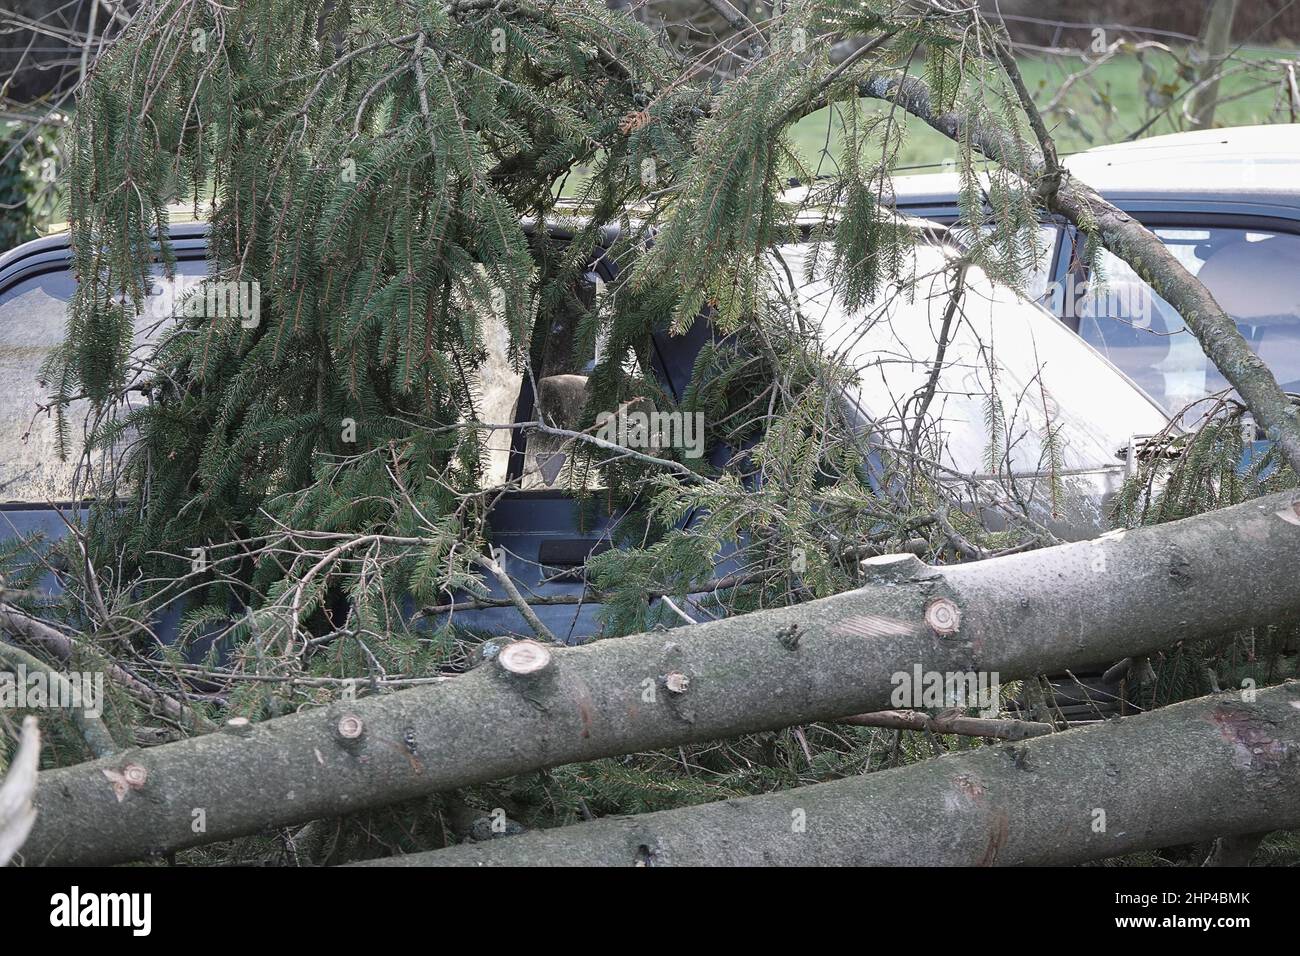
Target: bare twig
493, 567
951, 724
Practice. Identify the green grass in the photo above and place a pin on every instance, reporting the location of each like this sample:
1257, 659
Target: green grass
1109, 105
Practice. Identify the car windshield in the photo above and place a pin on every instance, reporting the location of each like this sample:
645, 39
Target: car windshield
1254, 275
1007, 382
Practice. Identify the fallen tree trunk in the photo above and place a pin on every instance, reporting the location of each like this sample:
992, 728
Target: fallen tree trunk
1176, 775
1070, 606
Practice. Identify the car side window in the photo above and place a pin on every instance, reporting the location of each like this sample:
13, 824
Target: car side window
1253, 274
33, 322
1039, 277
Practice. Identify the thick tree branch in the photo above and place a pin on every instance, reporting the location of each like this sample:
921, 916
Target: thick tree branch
62, 646
732, 15
1070, 606
950, 724
91, 727
1088, 794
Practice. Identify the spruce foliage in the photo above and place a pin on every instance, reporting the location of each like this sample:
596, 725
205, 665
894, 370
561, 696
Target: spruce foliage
296, 486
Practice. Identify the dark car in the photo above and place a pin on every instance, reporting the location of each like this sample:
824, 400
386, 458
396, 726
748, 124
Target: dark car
1051, 381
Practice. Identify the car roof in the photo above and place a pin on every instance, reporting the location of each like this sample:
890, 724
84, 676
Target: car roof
52, 250
1256, 163
188, 237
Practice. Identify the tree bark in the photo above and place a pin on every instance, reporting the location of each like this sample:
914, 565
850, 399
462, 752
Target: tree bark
1125, 237
1070, 606
1172, 776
